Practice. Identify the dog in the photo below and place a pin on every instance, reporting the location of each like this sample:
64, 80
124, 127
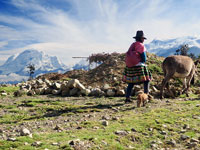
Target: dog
143, 98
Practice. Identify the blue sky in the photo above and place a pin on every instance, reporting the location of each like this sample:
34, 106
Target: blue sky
67, 28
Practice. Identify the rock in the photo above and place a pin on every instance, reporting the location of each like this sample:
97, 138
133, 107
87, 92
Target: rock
194, 140
39, 82
85, 92
56, 86
185, 126
105, 123
24, 132
31, 93
110, 93
154, 146
73, 91
80, 86
73, 83
64, 87
184, 137
39, 91
74, 142
96, 92
106, 87
18, 93
163, 132
150, 129
56, 92
57, 127
65, 93
12, 139
37, 143
133, 130
48, 90
191, 145
120, 92
198, 105
121, 133
171, 142
196, 117
154, 89
4, 94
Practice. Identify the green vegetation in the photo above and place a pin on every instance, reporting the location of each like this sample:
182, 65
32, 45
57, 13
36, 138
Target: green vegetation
81, 118
10, 89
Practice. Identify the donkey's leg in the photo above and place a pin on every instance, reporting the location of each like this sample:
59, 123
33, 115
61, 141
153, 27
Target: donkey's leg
184, 86
169, 91
164, 82
188, 86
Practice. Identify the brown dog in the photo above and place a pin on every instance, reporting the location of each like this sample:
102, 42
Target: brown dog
142, 98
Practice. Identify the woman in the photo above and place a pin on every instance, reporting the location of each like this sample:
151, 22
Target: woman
136, 71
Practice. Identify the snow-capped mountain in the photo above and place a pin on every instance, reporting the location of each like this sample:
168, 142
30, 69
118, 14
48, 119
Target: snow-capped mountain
16, 65
168, 47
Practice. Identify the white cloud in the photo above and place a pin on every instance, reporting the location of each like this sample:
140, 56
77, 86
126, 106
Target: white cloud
94, 26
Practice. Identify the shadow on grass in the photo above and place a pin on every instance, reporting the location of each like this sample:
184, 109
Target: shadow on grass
75, 110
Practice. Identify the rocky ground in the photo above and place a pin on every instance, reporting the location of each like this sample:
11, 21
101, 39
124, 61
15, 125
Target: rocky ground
81, 123
84, 110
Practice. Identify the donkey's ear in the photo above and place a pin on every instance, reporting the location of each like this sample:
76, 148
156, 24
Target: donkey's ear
196, 62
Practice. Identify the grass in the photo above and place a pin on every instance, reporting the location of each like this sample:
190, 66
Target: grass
84, 121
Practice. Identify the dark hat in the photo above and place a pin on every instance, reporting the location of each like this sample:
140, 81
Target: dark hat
139, 34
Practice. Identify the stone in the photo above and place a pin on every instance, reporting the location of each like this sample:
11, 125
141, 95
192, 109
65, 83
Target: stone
133, 130
80, 86
73, 91
110, 93
121, 133
85, 92
105, 123
154, 89
56, 85
4, 94
36, 143
31, 93
96, 92
191, 145
184, 137
18, 93
56, 92
120, 92
65, 93
194, 140
39, 82
39, 91
172, 143
72, 83
12, 139
24, 132
105, 87
198, 105
48, 90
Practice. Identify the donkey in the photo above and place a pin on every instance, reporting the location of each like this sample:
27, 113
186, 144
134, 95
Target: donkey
178, 66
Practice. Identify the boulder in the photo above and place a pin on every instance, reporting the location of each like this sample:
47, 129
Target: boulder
80, 86
56, 85
39, 82
120, 92
73, 83
96, 92
110, 93
73, 91
56, 92
48, 90
18, 93
31, 93
85, 92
